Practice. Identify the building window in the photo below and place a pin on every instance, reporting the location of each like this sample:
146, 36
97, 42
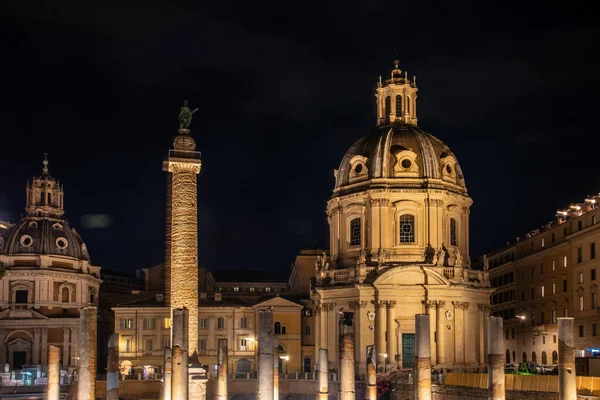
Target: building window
306, 364
580, 303
579, 255
127, 345
244, 323
202, 344
542, 269
564, 261
453, 238
542, 319
594, 301
580, 330
166, 323
592, 251
543, 339
166, 343
407, 228
307, 330
564, 285
126, 323
244, 345
532, 293
594, 330
203, 323
554, 356
148, 345
542, 291
553, 288
593, 220
220, 323
21, 296
553, 316
579, 225
506, 334
398, 108
355, 232
544, 358
236, 289
524, 357
149, 323
565, 312
554, 341
553, 265
533, 357
543, 243
388, 106
593, 274
251, 289
580, 276
267, 289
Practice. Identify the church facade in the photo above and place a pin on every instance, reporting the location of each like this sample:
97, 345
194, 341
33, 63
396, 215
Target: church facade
399, 244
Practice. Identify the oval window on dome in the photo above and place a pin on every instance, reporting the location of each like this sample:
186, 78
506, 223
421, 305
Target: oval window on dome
406, 163
449, 169
26, 241
62, 243
358, 169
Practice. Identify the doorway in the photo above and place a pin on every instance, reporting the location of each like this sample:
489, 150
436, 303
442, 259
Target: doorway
19, 359
408, 350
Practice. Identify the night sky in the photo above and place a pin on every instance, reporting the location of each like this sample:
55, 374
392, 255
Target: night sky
283, 90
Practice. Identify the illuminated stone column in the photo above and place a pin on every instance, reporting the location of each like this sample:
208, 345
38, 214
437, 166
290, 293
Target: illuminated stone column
422, 358
179, 369
380, 326
167, 365
495, 342
112, 368
183, 165
371, 376
86, 381
275, 369
265, 355
53, 389
323, 375
317, 330
346, 381
440, 347
567, 384
392, 341
222, 369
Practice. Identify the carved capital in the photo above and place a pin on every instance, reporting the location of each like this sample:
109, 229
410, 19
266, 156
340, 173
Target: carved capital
461, 305
328, 306
440, 303
486, 308
354, 304
380, 303
379, 202
429, 303
391, 303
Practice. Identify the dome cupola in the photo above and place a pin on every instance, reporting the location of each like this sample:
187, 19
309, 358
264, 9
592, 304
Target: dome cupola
396, 98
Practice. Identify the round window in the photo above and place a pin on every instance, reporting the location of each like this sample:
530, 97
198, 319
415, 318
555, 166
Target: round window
26, 241
448, 169
358, 169
406, 163
62, 243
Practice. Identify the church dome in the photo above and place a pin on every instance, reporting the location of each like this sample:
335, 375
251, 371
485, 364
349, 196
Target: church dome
43, 236
399, 154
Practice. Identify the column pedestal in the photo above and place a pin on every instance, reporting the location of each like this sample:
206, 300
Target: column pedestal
495, 340
422, 358
53, 389
567, 383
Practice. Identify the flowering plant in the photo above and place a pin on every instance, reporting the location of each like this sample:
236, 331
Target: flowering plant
384, 387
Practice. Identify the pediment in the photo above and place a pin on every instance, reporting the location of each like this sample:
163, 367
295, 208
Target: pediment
411, 275
276, 302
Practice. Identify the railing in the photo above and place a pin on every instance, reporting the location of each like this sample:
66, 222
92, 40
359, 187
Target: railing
194, 155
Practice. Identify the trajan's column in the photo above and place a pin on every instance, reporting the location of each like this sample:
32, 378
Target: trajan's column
181, 258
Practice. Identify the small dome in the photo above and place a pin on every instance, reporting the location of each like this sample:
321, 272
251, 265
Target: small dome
48, 236
402, 155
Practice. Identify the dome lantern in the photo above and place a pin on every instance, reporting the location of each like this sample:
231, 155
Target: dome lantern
396, 98
45, 195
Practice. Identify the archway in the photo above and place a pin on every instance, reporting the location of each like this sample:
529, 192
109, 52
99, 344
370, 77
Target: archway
554, 357
544, 358
125, 367
524, 357
533, 356
243, 366
507, 356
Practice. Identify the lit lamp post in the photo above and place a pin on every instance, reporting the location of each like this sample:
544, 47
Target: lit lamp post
385, 363
285, 358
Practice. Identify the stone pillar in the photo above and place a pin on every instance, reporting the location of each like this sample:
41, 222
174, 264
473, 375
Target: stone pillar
323, 375
222, 369
429, 308
183, 165
422, 367
265, 355
380, 327
371, 375
317, 332
440, 347
179, 369
86, 380
44, 346
53, 389
567, 387
112, 368
37, 342
346, 380
74, 340
495, 342
392, 341
66, 361
459, 332
167, 365
275, 369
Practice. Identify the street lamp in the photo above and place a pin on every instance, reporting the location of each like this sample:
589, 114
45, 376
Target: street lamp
385, 363
285, 358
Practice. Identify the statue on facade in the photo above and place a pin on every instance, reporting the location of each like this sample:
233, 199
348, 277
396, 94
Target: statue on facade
185, 116
458, 259
441, 256
486, 263
362, 257
381, 256
321, 263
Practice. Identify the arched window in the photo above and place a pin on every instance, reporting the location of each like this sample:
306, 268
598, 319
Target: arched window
533, 357
388, 106
544, 358
514, 356
453, 236
277, 328
407, 228
65, 294
355, 232
554, 357
524, 357
398, 105
408, 105
243, 365
507, 356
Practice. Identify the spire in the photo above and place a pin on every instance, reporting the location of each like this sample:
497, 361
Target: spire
397, 98
45, 162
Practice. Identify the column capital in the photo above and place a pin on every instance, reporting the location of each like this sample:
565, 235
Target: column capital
429, 303
440, 303
461, 305
356, 304
328, 306
380, 303
391, 303
484, 307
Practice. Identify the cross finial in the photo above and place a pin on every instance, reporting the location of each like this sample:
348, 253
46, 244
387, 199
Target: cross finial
45, 162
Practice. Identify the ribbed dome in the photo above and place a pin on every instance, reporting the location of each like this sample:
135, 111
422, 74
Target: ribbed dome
402, 153
40, 235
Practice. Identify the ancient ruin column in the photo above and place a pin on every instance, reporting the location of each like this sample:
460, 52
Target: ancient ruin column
323, 393
392, 341
380, 327
112, 368
346, 380
86, 380
265, 355
495, 342
222, 369
179, 369
183, 164
371, 376
440, 347
167, 364
422, 358
275, 369
567, 387
53, 389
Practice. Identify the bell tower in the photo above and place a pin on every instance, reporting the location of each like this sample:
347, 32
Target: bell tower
181, 250
396, 98
45, 196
